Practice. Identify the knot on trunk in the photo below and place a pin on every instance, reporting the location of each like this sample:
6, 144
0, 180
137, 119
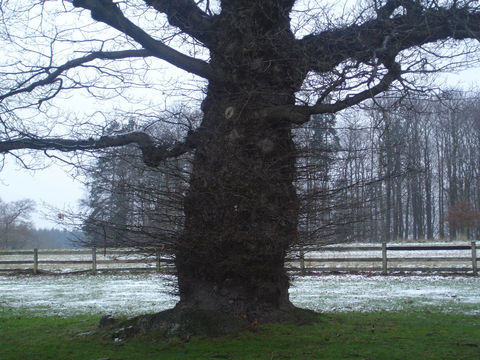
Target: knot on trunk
229, 112
266, 145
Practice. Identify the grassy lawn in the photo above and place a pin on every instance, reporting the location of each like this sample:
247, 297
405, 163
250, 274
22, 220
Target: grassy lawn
386, 335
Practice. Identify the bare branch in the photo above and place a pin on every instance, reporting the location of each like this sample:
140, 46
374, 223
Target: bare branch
108, 12
187, 16
53, 76
152, 154
301, 114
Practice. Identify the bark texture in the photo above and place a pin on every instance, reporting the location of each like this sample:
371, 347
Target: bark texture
241, 209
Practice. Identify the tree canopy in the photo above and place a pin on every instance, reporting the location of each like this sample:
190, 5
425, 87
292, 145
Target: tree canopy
346, 57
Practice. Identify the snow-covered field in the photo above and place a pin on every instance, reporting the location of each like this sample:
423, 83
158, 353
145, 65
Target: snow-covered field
130, 294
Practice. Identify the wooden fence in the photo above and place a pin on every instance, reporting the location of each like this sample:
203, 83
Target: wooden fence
317, 259
93, 259
309, 262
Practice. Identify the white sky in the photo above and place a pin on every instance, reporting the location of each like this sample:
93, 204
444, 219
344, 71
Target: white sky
52, 187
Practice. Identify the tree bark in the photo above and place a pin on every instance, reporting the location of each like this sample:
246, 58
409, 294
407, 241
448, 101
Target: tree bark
241, 209
241, 215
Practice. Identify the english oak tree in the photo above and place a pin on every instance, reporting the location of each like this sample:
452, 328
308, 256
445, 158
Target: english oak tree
264, 75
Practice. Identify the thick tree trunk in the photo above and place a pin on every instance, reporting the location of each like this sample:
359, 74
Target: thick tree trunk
241, 209
241, 215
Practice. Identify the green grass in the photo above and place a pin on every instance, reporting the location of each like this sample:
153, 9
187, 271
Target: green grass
386, 335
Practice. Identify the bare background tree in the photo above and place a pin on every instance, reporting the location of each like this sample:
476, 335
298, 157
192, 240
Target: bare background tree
263, 67
424, 148
15, 222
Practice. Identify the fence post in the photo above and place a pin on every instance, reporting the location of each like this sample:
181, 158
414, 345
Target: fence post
302, 261
94, 260
35, 261
158, 261
384, 258
474, 259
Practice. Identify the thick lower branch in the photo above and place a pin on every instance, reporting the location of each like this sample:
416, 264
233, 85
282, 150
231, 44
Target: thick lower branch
152, 154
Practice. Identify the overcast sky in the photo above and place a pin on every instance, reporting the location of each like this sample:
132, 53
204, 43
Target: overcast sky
52, 187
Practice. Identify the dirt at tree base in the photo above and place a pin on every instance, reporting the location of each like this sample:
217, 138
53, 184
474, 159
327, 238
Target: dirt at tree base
185, 322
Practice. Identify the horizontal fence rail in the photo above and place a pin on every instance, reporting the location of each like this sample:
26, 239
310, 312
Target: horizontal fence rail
317, 259
384, 258
94, 259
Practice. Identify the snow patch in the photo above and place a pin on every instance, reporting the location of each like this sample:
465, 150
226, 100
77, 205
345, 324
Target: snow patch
133, 294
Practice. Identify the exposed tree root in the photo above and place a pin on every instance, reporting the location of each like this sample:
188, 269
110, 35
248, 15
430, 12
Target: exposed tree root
181, 322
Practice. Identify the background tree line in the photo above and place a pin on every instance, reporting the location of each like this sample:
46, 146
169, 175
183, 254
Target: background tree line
408, 168
130, 204
402, 167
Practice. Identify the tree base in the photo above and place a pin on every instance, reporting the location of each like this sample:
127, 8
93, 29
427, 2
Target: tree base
183, 323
